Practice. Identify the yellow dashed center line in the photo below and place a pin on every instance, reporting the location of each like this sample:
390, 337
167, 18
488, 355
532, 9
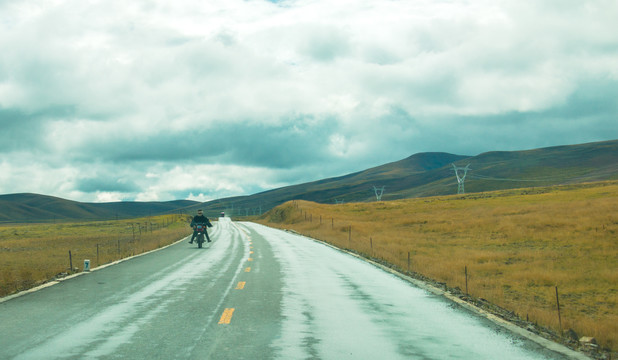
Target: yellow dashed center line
226, 317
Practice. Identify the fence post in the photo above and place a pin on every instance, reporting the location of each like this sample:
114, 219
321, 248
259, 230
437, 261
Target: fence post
408, 261
350, 236
558, 304
466, 271
98, 263
70, 261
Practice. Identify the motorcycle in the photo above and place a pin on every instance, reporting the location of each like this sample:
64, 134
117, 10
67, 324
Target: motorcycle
201, 234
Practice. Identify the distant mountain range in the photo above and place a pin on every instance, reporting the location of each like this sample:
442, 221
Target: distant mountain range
34, 207
431, 174
420, 175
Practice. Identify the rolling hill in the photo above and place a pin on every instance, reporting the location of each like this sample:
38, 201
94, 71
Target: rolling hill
420, 175
431, 174
35, 208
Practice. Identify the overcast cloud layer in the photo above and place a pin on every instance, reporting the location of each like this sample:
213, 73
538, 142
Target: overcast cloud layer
162, 100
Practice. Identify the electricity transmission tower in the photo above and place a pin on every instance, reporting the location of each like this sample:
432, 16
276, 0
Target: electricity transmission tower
461, 179
378, 192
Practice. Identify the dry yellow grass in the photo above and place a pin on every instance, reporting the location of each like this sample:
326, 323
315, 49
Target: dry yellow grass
517, 246
31, 254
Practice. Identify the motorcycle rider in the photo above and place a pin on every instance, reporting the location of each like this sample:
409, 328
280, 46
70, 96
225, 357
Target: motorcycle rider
199, 219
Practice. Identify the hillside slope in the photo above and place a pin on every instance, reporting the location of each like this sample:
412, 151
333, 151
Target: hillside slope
518, 246
420, 175
34, 207
432, 174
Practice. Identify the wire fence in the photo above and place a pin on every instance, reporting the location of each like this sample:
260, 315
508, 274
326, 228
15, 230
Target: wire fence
541, 311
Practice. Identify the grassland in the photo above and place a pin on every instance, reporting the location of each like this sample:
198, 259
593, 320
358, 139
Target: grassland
517, 247
31, 254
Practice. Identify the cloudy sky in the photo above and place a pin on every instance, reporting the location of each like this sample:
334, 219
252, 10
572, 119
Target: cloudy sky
156, 100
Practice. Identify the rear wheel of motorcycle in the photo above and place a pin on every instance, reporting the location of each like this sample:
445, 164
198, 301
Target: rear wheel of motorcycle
200, 240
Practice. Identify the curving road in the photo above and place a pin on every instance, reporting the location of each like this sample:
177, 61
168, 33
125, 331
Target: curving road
254, 293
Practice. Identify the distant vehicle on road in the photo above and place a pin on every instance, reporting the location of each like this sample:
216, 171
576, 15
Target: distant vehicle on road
222, 213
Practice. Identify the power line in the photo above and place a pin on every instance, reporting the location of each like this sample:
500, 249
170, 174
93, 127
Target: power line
484, 177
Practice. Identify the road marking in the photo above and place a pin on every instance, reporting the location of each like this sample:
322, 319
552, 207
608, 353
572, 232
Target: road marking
250, 252
248, 269
241, 285
250, 259
226, 317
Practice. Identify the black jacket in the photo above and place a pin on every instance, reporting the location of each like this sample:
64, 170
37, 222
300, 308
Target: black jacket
200, 219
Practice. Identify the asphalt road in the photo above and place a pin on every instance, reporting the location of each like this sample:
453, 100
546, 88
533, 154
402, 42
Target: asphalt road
254, 293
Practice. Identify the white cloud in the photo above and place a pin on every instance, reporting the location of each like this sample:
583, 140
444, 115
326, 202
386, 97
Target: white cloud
492, 93
199, 197
105, 196
224, 98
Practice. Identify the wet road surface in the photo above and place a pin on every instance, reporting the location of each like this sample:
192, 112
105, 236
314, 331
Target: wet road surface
254, 293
